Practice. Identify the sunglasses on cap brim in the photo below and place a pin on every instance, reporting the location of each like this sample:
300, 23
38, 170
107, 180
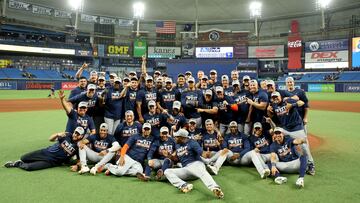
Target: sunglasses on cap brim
277, 132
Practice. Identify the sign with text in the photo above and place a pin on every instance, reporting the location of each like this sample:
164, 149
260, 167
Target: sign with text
38, 85
83, 53
352, 87
266, 51
294, 52
68, 85
8, 85
164, 52
118, 51
327, 45
328, 59
356, 52
42, 50
214, 52
139, 47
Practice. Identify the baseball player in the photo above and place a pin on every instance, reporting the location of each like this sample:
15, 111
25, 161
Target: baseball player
228, 90
209, 108
144, 96
225, 112
234, 75
287, 156
241, 115
194, 132
188, 152
203, 84
289, 118
129, 93
213, 79
154, 118
90, 97
133, 154
160, 155
77, 117
167, 96
258, 103
191, 99
113, 106
102, 151
52, 92
175, 120
127, 128
181, 83
52, 156
159, 83
80, 88
99, 111
270, 84
246, 82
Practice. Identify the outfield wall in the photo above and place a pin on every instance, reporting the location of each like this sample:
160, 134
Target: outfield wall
68, 85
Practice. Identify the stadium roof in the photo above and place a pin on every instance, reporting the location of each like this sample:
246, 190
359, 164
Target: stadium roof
209, 10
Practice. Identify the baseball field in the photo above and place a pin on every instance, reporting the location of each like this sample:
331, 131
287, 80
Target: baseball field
28, 118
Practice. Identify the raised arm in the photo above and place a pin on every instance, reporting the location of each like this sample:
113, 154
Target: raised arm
54, 136
80, 71
66, 106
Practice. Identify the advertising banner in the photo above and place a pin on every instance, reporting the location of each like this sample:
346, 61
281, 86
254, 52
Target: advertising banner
248, 63
38, 85
118, 51
327, 65
19, 5
327, 45
83, 53
164, 52
188, 49
88, 18
214, 52
294, 52
43, 50
266, 51
321, 87
41, 10
283, 87
68, 85
139, 47
326, 57
8, 85
240, 50
352, 87
101, 50
62, 14
356, 52
107, 21
125, 22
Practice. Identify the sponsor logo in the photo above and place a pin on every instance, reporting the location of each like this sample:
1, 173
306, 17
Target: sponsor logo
294, 44
314, 46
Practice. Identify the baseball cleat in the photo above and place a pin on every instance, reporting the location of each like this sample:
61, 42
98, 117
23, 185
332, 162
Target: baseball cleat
311, 169
93, 170
13, 164
212, 169
218, 193
280, 180
84, 169
159, 174
186, 188
107, 172
265, 173
300, 182
142, 177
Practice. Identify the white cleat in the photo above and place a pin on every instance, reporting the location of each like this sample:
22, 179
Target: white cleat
212, 169
186, 188
84, 169
300, 182
265, 173
93, 170
218, 193
280, 180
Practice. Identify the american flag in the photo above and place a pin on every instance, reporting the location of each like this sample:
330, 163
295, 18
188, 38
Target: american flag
166, 27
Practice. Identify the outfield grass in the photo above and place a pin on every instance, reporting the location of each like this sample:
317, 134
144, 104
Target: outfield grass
336, 160
335, 96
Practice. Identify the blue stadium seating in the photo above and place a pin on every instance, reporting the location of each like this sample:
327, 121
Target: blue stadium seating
11, 73
319, 77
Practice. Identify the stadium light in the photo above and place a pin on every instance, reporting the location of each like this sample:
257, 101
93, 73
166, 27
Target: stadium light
139, 9
322, 5
255, 13
75, 4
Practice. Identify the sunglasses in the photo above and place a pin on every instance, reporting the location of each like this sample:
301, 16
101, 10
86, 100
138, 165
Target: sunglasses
277, 132
219, 92
192, 123
191, 81
83, 107
164, 133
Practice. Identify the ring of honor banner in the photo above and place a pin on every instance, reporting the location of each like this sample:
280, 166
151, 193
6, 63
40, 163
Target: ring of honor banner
294, 52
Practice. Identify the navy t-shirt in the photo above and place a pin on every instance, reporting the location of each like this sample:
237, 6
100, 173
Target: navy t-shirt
243, 108
178, 120
237, 143
192, 134
262, 143
225, 114
139, 146
167, 98
76, 91
92, 102
62, 150
257, 114
130, 100
123, 131
98, 144
159, 145
229, 91
144, 96
155, 121
114, 104
188, 152
208, 105
286, 151
289, 120
191, 100
209, 141
74, 121
302, 96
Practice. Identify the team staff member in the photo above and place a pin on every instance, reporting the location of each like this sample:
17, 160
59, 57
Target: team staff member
175, 120
191, 99
213, 79
77, 117
113, 106
160, 156
102, 150
80, 88
133, 154
188, 152
144, 96
127, 128
98, 115
194, 132
228, 90
167, 96
55, 155
287, 156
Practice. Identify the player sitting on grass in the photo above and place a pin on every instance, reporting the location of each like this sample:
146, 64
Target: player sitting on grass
188, 152
102, 150
55, 155
287, 156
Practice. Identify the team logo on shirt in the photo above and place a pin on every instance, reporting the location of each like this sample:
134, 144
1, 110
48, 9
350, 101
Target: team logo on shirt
169, 97
191, 99
261, 142
235, 142
182, 151
154, 121
168, 148
132, 96
82, 122
91, 103
68, 148
210, 142
229, 93
240, 99
143, 143
281, 110
284, 150
115, 95
101, 144
129, 132
150, 96
222, 106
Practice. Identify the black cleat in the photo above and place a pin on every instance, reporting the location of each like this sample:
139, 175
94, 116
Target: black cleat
13, 164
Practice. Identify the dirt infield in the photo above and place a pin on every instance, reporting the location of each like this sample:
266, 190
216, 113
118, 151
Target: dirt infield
347, 106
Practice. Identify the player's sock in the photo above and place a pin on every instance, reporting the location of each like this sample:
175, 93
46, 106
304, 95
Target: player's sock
166, 164
303, 166
147, 170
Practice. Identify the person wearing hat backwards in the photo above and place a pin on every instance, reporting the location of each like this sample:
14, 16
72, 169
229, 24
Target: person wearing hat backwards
132, 154
189, 152
160, 156
287, 156
52, 156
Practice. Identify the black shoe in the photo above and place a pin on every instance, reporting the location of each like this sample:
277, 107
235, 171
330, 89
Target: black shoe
311, 169
13, 164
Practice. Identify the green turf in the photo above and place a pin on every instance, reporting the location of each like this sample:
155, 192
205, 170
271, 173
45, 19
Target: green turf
336, 96
25, 94
336, 180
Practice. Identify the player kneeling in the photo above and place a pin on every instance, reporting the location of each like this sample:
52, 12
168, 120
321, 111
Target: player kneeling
103, 148
188, 152
55, 155
159, 156
133, 154
287, 156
